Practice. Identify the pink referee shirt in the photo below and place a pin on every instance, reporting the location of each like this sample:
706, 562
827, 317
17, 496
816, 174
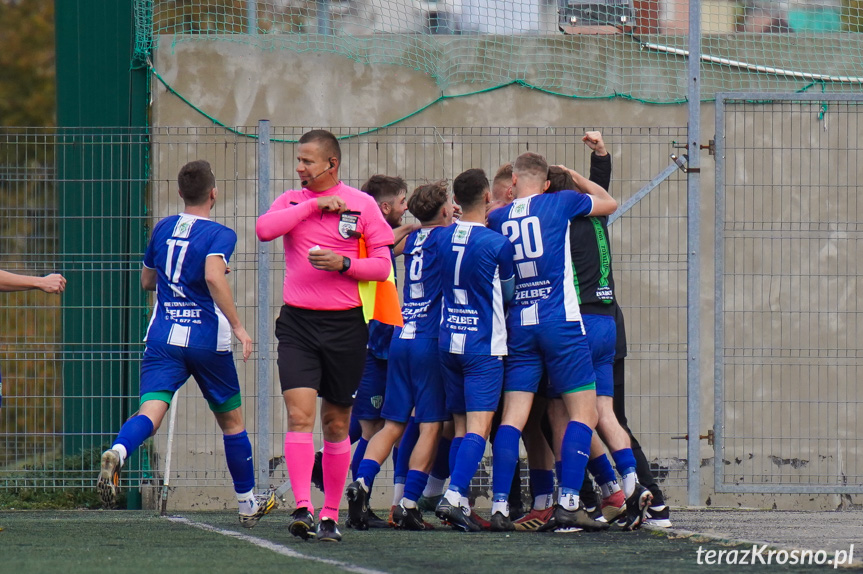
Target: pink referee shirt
295, 217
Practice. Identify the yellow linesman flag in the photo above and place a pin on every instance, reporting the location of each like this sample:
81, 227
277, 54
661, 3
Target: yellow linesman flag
380, 298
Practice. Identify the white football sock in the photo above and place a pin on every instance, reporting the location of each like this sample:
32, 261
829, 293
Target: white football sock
122, 450
398, 492
543, 501
501, 506
434, 487
568, 501
247, 502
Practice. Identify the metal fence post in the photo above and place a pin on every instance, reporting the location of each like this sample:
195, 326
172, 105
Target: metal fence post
324, 24
252, 16
693, 281
262, 419
719, 298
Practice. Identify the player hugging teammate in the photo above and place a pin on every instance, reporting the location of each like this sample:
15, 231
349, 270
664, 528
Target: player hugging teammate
510, 328
507, 281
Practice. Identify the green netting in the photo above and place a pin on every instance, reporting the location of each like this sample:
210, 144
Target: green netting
576, 48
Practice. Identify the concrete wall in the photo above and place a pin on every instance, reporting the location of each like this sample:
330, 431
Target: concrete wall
240, 84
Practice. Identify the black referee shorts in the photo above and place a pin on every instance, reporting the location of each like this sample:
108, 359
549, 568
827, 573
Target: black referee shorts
322, 350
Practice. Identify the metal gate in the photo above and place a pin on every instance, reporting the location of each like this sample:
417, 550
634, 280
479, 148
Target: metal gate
789, 314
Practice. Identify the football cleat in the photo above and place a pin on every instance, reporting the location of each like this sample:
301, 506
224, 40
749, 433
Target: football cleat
500, 523
613, 506
479, 520
393, 524
570, 520
594, 512
328, 531
516, 511
408, 518
455, 516
533, 520
358, 506
109, 478
266, 503
375, 521
302, 524
658, 516
636, 507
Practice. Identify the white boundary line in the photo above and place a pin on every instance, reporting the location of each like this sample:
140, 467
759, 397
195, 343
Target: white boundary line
277, 548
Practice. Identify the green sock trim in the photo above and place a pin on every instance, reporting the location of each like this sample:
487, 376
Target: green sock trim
591, 386
164, 396
233, 403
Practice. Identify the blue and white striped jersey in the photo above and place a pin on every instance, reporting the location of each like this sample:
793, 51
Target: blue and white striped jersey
185, 314
421, 307
474, 261
538, 227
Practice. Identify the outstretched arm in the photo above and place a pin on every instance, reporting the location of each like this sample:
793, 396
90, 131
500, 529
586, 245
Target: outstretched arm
53, 283
600, 159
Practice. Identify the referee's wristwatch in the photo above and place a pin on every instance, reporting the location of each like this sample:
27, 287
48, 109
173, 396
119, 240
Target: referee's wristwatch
346, 264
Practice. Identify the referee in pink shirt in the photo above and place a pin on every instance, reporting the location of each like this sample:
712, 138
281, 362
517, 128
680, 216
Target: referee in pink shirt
321, 330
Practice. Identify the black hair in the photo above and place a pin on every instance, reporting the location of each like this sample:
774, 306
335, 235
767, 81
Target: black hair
195, 180
328, 142
469, 186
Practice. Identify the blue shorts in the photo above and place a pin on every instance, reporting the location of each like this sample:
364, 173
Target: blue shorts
602, 340
165, 368
560, 348
414, 382
473, 382
370, 394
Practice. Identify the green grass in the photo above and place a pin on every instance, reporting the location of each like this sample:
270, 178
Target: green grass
77, 542
46, 485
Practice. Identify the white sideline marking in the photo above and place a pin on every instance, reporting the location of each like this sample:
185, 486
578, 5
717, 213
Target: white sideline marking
277, 548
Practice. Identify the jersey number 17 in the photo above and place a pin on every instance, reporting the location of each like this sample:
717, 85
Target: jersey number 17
175, 245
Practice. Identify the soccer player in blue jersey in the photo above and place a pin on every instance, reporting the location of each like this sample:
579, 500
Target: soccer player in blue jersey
190, 335
413, 373
477, 279
594, 285
546, 334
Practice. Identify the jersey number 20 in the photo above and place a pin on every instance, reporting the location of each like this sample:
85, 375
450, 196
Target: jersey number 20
528, 231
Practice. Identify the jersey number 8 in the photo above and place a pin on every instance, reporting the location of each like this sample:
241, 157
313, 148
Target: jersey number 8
416, 266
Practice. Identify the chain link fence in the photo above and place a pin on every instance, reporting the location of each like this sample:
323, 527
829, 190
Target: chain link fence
55, 419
